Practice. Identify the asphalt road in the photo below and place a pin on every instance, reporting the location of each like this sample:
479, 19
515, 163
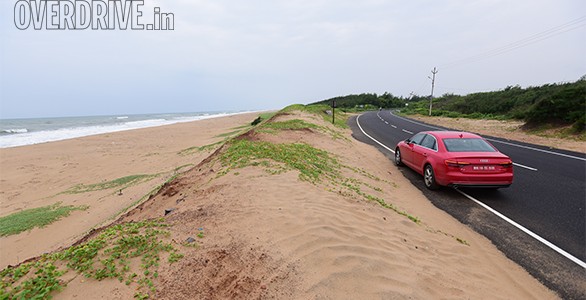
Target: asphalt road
547, 198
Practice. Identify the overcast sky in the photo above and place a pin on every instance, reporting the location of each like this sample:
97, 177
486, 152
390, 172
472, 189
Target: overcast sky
252, 55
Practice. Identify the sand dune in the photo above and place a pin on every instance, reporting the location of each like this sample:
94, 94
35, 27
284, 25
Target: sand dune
272, 235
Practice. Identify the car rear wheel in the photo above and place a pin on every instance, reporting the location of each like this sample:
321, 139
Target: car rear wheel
429, 178
398, 160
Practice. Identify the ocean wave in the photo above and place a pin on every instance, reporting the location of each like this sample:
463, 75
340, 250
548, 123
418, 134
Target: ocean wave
43, 136
122, 118
13, 131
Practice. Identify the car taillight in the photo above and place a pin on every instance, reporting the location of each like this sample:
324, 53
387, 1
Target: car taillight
507, 164
456, 164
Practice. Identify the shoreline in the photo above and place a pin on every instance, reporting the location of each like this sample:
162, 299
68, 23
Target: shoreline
22, 136
39, 175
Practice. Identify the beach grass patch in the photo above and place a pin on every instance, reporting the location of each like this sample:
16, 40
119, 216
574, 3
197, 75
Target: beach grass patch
294, 124
35, 217
196, 149
312, 163
267, 115
109, 255
297, 124
229, 134
262, 117
324, 111
119, 183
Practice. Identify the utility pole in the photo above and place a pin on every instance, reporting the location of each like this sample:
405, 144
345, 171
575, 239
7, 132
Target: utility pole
434, 71
333, 111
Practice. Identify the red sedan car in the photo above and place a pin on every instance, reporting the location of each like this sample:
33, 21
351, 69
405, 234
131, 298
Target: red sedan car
448, 158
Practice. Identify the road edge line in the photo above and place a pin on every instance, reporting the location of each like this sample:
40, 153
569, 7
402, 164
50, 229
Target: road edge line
498, 214
358, 123
527, 231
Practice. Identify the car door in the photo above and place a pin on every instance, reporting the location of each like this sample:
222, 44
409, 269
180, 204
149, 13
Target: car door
423, 150
407, 156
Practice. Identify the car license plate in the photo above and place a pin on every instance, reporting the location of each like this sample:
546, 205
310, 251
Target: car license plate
483, 168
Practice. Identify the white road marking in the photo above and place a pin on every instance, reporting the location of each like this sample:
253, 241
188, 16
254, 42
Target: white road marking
393, 126
407, 131
497, 141
540, 150
386, 122
526, 167
415, 122
527, 231
358, 123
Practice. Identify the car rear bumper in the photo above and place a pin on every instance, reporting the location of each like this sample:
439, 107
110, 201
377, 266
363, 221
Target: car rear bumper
474, 185
484, 181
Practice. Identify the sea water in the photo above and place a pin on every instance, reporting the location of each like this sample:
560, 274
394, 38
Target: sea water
21, 132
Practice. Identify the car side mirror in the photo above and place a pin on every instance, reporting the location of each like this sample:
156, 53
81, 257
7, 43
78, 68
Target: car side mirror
408, 141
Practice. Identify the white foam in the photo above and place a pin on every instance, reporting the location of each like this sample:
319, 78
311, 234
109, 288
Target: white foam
18, 130
30, 138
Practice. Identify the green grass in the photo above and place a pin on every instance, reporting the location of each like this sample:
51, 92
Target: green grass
120, 183
34, 217
152, 192
229, 134
195, 149
109, 255
319, 109
294, 124
311, 162
313, 165
297, 124
267, 115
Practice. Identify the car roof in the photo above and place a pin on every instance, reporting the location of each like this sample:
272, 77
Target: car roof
453, 134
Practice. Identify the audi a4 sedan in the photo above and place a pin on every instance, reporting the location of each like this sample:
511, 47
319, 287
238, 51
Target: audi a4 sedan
451, 158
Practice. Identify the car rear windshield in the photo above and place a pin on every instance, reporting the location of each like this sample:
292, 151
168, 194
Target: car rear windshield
467, 145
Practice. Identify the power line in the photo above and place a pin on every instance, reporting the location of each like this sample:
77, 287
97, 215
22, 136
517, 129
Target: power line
572, 25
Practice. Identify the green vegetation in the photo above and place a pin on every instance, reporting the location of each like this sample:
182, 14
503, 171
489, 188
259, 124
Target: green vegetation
295, 124
109, 255
194, 149
557, 104
314, 165
353, 103
35, 217
262, 117
152, 192
354, 185
120, 183
309, 161
320, 110
237, 130
229, 134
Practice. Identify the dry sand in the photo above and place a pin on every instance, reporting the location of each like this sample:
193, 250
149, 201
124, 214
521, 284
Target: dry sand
36, 175
266, 236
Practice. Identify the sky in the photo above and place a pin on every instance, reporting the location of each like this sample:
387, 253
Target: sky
255, 55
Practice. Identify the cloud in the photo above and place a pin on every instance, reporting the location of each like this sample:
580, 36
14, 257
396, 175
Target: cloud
261, 54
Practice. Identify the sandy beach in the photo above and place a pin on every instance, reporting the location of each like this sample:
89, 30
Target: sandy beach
269, 234
38, 175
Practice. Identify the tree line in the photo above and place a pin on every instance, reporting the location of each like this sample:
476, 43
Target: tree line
557, 103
